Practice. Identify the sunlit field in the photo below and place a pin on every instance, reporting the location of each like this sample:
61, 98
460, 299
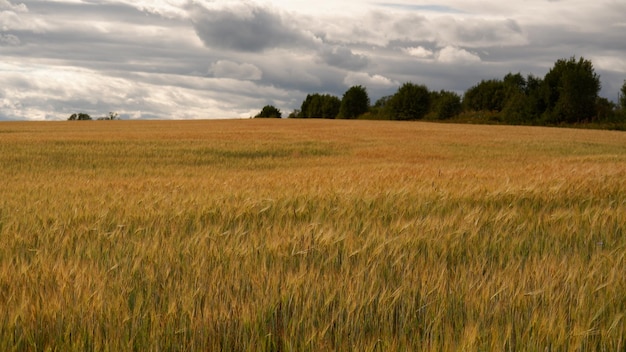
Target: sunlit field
310, 235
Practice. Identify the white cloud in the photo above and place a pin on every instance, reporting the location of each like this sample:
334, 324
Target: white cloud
609, 63
164, 8
230, 69
452, 55
420, 52
447, 55
10, 20
370, 81
7, 5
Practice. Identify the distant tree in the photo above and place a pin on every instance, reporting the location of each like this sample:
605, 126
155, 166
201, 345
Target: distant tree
80, 116
355, 102
270, 111
411, 102
570, 91
488, 95
320, 106
444, 104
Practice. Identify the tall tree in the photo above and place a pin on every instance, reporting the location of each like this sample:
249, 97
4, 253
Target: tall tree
355, 102
570, 91
411, 102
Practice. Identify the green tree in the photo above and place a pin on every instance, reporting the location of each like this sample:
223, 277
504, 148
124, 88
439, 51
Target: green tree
518, 109
535, 101
306, 105
270, 111
444, 104
487, 95
520, 99
320, 106
516, 99
514, 83
355, 102
570, 91
411, 102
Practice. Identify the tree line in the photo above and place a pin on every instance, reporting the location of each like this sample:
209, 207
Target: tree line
86, 117
567, 94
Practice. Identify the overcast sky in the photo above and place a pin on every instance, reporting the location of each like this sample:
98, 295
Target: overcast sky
222, 59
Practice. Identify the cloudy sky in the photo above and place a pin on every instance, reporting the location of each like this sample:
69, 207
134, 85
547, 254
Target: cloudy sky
184, 59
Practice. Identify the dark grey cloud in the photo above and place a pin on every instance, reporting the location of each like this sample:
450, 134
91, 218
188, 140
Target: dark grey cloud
245, 27
252, 28
343, 57
9, 40
481, 32
235, 70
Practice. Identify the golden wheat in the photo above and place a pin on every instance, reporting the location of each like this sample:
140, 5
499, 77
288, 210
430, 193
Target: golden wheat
295, 235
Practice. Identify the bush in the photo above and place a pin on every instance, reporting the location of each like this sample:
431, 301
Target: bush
270, 111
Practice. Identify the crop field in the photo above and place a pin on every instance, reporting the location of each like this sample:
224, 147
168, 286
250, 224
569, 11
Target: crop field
310, 235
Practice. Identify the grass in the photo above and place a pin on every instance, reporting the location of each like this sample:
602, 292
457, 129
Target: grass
295, 235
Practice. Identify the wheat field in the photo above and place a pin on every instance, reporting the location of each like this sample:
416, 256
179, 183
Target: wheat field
310, 235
